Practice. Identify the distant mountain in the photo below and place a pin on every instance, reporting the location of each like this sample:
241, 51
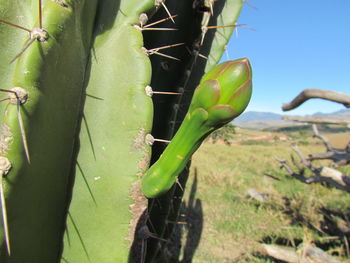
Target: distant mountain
340, 113
261, 120
252, 116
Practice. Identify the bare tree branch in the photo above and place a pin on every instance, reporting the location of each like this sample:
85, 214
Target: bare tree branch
306, 162
312, 119
338, 156
321, 174
324, 139
284, 165
317, 93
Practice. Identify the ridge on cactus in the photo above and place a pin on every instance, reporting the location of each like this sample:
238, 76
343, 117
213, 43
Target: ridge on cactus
222, 95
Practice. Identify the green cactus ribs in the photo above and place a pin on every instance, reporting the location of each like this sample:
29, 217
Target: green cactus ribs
45, 44
222, 95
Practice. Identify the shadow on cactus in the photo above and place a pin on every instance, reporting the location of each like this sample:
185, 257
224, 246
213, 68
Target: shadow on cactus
222, 95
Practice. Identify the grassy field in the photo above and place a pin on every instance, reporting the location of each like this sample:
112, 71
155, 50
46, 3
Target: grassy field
220, 223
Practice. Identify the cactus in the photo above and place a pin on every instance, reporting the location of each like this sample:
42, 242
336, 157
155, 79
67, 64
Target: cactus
77, 110
37, 133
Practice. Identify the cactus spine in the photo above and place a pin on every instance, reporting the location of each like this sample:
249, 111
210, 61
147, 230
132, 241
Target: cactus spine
42, 127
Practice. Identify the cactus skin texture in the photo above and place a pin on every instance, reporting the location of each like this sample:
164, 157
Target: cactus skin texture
113, 153
36, 193
221, 96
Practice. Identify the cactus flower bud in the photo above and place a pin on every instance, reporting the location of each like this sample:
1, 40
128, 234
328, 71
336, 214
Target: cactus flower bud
225, 91
222, 95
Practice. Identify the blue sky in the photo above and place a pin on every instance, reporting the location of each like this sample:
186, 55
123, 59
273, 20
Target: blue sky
297, 44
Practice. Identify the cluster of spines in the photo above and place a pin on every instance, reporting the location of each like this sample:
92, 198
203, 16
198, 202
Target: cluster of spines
18, 96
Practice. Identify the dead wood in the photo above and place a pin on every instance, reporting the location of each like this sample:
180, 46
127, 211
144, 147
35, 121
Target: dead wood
321, 174
314, 119
338, 156
307, 254
317, 93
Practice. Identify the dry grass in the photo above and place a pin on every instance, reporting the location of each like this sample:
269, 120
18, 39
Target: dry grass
234, 225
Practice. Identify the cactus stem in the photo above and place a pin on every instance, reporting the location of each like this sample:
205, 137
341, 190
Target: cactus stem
149, 139
5, 166
160, 21
14, 25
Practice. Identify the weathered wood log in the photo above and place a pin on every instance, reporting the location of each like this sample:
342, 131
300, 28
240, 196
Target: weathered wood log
285, 254
317, 255
307, 254
320, 94
336, 176
256, 195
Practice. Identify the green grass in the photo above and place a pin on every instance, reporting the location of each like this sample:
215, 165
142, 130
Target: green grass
234, 225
